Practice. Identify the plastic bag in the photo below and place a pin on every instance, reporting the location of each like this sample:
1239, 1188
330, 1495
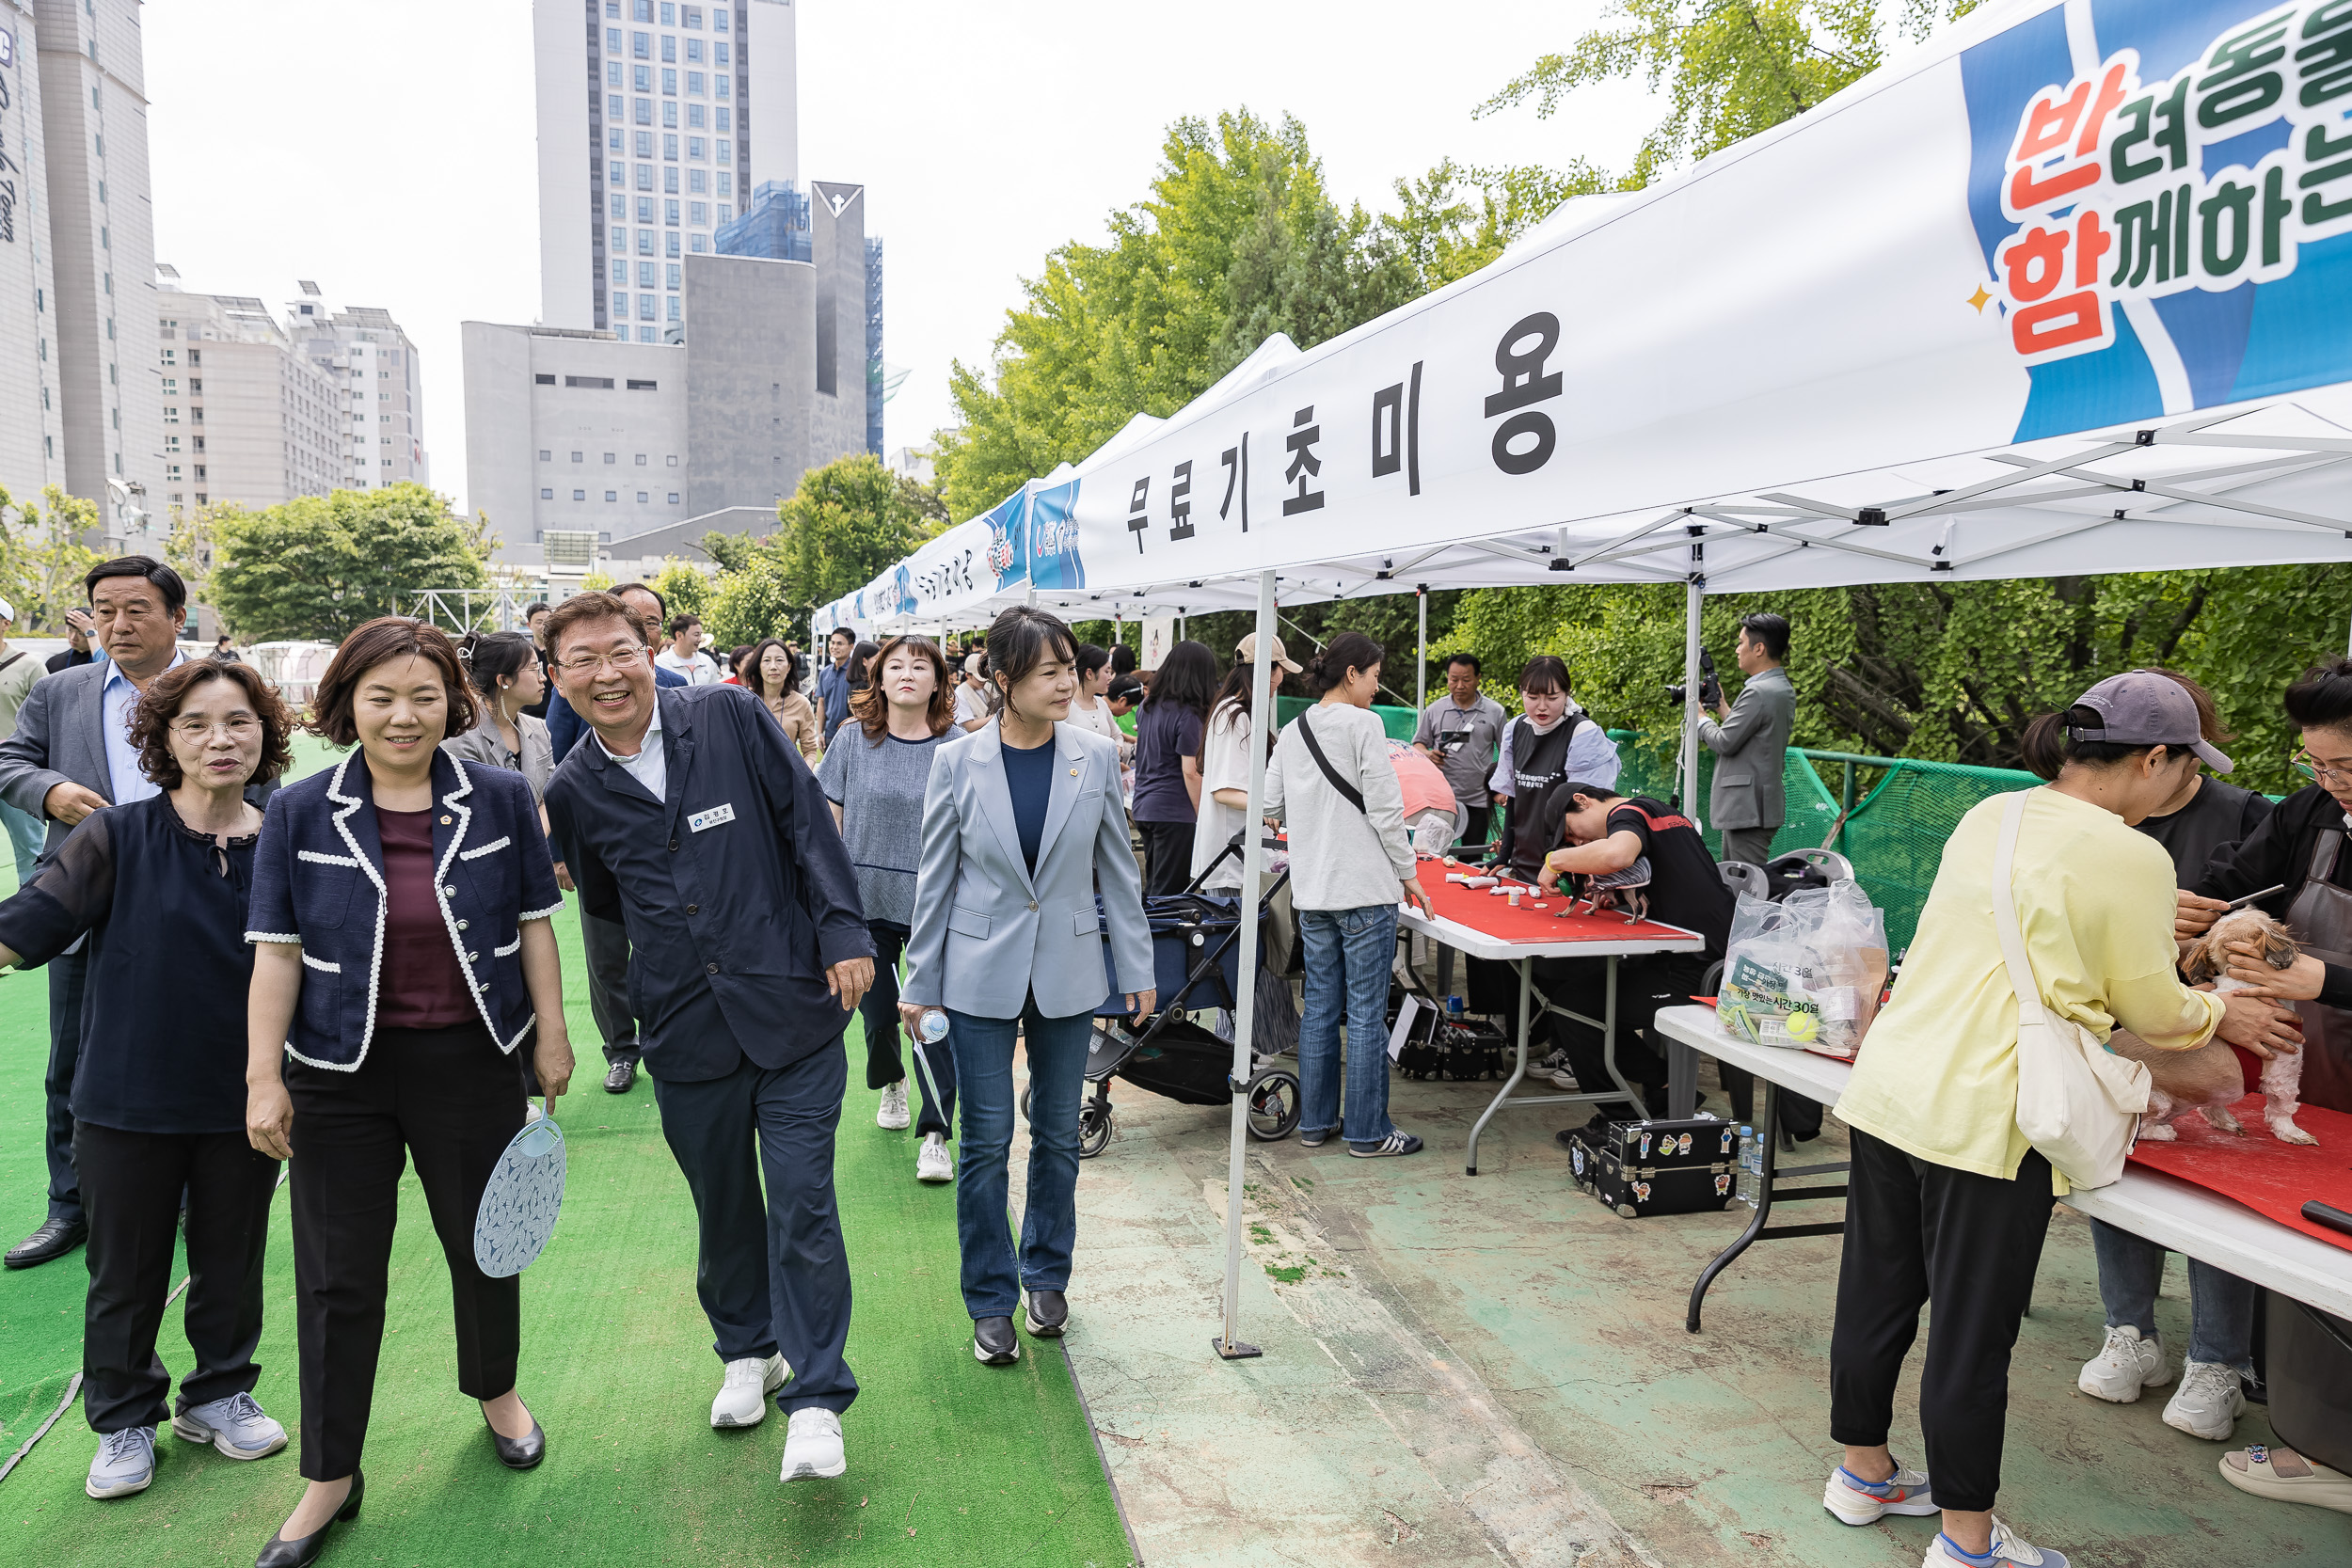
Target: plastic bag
1806, 973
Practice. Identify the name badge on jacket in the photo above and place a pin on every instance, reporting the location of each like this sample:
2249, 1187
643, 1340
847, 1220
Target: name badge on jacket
712, 818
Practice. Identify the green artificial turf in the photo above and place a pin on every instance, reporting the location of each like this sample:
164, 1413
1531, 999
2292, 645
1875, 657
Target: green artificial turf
950, 1463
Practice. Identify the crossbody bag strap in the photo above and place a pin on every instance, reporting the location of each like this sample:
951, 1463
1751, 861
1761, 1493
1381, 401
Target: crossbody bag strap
2030, 1008
1348, 792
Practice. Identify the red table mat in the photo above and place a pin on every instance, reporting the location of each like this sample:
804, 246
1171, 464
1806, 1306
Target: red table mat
2273, 1179
1477, 908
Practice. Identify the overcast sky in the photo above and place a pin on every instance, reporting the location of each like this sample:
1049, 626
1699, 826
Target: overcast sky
386, 149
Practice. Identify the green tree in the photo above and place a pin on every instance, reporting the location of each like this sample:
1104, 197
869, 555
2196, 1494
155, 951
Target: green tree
847, 523
684, 588
42, 559
751, 602
319, 565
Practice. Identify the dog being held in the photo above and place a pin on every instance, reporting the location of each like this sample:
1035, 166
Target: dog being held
2208, 1079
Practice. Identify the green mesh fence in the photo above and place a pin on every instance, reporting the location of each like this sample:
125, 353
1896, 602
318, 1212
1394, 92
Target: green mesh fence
1399, 722
1904, 811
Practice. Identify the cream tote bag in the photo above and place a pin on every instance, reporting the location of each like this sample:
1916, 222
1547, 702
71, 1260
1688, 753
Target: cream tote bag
2078, 1102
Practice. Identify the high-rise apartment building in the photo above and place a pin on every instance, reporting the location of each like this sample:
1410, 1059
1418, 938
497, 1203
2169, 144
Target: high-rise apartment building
249, 416
657, 119
80, 397
367, 356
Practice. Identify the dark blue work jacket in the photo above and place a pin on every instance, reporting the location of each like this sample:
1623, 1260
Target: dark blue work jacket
318, 879
736, 890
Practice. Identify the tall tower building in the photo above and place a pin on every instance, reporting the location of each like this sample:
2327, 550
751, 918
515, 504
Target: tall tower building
32, 428
655, 120
380, 395
95, 313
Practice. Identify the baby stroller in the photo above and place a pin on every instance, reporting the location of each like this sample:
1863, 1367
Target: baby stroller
1196, 958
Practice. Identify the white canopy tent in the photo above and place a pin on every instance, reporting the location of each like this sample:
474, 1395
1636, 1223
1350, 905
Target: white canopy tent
2038, 301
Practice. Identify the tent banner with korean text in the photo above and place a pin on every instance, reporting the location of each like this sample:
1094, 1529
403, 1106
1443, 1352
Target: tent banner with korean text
2055, 219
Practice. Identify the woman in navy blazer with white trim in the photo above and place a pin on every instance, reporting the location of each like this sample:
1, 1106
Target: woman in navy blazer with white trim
404, 950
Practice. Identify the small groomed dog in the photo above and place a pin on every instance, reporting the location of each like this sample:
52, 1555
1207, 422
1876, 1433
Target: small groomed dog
1623, 890
2208, 1078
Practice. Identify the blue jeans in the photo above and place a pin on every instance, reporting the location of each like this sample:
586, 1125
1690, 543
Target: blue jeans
1349, 955
1049, 1229
2221, 1304
27, 833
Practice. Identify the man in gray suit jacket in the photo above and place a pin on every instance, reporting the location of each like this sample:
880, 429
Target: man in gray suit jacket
1747, 801
70, 755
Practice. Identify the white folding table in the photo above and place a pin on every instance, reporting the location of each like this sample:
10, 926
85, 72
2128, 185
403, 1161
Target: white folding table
2173, 1213
1581, 937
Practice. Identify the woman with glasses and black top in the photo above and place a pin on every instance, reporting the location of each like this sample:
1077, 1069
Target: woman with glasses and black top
159, 1099
402, 921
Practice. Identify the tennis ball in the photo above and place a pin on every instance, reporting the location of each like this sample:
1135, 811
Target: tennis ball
1803, 1026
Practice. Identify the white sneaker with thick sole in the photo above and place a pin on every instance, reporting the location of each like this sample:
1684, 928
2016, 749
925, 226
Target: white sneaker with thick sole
236, 1427
2125, 1365
1857, 1501
892, 1113
2009, 1551
932, 1161
811, 1445
2208, 1402
743, 1400
124, 1464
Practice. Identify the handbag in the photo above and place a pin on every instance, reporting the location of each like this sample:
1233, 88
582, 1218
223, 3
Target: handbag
2078, 1102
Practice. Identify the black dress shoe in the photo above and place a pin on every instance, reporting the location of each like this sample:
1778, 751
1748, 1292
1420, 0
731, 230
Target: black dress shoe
620, 1077
304, 1550
1049, 1314
55, 1239
993, 1344
520, 1453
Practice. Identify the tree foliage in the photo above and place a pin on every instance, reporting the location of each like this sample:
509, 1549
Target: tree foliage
751, 602
847, 523
684, 588
317, 566
42, 559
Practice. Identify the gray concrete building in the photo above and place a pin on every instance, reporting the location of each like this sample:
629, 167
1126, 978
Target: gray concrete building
572, 429
656, 121
248, 415
366, 354
80, 396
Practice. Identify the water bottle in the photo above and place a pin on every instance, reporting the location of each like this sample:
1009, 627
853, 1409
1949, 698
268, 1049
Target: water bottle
931, 1026
1751, 1167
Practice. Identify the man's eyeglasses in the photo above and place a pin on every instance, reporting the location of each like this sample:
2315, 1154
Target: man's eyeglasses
621, 663
202, 729
2305, 763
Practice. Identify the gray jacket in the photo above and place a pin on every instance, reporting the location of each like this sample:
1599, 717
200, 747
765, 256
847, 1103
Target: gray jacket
60, 739
987, 933
1754, 744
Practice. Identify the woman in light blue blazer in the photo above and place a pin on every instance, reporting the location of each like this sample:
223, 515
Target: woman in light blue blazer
1023, 826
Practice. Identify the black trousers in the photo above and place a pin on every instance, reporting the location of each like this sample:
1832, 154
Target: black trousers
605, 944
1916, 1231
771, 1274
935, 1063
130, 1187
1643, 986
1800, 1117
1481, 817
66, 972
449, 1099
1167, 856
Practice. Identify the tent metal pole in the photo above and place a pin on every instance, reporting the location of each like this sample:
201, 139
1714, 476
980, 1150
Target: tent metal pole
1694, 596
1227, 1344
1421, 665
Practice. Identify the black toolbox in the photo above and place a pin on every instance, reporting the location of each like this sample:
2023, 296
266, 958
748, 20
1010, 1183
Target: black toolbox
1641, 1168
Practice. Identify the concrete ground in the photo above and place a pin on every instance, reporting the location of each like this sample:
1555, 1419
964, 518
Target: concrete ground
1494, 1369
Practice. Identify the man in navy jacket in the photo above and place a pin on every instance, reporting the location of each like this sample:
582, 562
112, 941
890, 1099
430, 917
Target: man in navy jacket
605, 944
689, 817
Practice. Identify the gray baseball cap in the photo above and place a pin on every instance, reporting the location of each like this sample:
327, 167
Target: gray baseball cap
2140, 708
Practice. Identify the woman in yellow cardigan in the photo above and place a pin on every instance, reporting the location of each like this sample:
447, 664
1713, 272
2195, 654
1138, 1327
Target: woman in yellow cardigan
1947, 1199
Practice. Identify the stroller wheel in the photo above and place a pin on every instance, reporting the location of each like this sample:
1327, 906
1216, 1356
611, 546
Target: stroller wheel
1095, 1129
1274, 1105
1025, 1102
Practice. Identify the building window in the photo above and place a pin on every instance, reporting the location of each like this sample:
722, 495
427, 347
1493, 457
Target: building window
668, 77
674, 272
643, 497
669, 19
641, 110
669, 150
669, 116
612, 73
642, 12
611, 495
726, 152
727, 215
575, 457
644, 308
543, 381
719, 87
645, 242
697, 213
698, 243
642, 387
726, 116
547, 495
695, 149
693, 15
594, 383
694, 117
673, 315
620, 214
620, 268
718, 19
641, 45
545, 455
669, 248
172, 414
579, 495
641, 78
694, 84
673, 497
646, 335
646, 274
669, 208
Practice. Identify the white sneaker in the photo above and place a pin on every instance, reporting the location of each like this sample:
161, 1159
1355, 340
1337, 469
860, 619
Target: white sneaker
743, 1400
893, 1114
1857, 1501
932, 1161
811, 1445
124, 1464
236, 1427
2009, 1551
2208, 1402
2125, 1365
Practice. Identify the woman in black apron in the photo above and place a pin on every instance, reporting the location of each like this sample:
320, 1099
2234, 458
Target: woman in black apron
2301, 844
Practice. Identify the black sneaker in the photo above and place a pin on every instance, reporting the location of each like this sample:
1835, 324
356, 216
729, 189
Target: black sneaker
1049, 1314
993, 1344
